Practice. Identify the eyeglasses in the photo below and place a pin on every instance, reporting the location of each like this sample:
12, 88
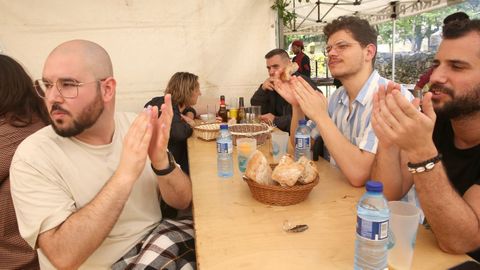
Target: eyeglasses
340, 46
68, 88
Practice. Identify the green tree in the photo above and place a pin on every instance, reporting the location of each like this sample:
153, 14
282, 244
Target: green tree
416, 28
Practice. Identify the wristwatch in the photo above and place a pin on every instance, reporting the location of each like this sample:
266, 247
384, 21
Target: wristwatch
171, 166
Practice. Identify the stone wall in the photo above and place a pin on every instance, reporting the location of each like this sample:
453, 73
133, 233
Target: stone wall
408, 65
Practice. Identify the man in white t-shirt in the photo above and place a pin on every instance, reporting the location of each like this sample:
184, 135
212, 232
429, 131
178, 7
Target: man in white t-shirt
86, 189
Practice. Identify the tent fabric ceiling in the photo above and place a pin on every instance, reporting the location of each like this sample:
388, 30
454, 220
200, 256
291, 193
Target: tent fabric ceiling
313, 15
150, 40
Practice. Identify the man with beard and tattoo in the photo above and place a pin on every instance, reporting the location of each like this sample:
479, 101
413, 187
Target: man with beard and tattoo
436, 153
86, 189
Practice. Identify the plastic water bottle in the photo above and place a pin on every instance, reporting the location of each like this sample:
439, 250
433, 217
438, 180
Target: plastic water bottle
224, 152
372, 229
302, 140
313, 129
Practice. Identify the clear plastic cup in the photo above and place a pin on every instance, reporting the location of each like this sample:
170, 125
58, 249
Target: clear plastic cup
404, 219
245, 147
279, 145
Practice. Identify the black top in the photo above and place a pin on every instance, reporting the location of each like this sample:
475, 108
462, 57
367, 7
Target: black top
180, 131
462, 165
272, 102
303, 62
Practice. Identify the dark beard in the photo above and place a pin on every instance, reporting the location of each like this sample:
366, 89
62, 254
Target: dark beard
87, 118
460, 107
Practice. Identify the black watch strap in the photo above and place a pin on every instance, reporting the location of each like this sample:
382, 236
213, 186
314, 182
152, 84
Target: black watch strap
169, 169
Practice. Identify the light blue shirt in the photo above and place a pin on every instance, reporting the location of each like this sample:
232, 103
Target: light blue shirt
355, 125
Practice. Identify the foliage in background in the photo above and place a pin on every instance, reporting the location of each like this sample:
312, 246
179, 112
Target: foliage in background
412, 30
415, 29
285, 15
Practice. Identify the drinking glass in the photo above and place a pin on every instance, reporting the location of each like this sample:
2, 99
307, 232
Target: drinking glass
279, 145
255, 114
245, 147
404, 220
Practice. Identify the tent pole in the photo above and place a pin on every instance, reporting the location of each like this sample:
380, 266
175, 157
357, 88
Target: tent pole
393, 48
394, 5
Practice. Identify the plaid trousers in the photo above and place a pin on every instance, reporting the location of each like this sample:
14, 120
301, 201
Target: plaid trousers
170, 246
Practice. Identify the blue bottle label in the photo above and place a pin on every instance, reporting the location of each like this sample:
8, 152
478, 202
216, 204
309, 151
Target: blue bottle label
302, 143
225, 148
372, 230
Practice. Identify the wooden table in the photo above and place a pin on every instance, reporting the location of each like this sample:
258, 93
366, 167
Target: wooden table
234, 231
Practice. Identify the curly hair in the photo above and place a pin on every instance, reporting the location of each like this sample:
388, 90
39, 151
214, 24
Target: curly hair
360, 29
19, 103
181, 87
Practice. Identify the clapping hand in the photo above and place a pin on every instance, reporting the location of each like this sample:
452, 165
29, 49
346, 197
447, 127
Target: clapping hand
398, 121
136, 144
313, 103
285, 89
161, 133
377, 121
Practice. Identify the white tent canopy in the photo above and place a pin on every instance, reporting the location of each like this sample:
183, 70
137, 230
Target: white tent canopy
223, 42
313, 15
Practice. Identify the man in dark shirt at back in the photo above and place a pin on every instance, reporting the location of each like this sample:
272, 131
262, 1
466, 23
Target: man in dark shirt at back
274, 108
302, 60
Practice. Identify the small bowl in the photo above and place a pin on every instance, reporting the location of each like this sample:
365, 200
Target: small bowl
209, 118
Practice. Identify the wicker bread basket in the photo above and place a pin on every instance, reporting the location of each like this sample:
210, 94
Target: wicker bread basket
278, 195
207, 132
261, 132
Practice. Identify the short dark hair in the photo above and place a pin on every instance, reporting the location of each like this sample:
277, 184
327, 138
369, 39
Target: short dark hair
457, 16
457, 29
19, 103
280, 52
361, 30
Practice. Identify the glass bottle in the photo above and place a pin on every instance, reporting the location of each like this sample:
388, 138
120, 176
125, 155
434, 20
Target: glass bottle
222, 111
241, 111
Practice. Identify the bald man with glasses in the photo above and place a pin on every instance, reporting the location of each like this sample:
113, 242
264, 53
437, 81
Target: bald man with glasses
87, 188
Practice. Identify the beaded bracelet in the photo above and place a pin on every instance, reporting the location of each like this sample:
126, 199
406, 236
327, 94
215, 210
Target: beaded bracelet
424, 166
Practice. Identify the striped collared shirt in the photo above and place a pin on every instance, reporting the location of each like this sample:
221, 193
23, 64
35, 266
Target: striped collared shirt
356, 125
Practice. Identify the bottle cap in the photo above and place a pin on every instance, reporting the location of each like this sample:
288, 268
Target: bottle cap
374, 186
302, 122
223, 126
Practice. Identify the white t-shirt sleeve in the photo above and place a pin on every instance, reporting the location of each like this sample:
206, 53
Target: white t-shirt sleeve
40, 202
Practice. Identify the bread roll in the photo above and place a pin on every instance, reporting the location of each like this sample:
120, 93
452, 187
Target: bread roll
258, 169
287, 174
310, 172
286, 159
288, 71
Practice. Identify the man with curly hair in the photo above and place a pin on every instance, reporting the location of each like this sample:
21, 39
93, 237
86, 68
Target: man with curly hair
344, 121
